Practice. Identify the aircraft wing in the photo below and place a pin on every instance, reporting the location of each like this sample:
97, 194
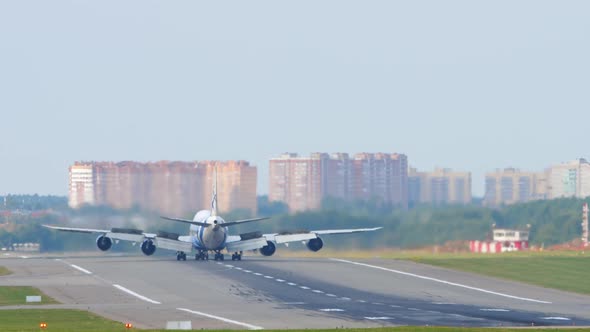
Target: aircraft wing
243, 221
256, 240
162, 240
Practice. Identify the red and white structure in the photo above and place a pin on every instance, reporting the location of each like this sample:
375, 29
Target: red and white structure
503, 240
585, 225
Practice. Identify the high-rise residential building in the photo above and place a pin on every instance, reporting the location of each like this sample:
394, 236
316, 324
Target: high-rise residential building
302, 182
441, 186
167, 187
381, 176
81, 186
511, 185
297, 181
571, 179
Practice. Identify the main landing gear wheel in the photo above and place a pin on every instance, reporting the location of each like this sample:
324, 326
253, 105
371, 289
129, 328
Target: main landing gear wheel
219, 256
236, 256
202, 255
180, 256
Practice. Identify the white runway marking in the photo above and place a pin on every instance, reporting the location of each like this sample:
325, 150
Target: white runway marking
130, 292
361, 301
258, 274
317, 291
227, 320
395, 306
555, 318
493, 309
331, 309
24, 257
287, 303
346, 298
441, 281
238, 268
377, 303
292, 284
378, 318
414, 309
304, 287
280, 280
444, 303
80, 268
229, 265
331, 295
247, 271
269, 277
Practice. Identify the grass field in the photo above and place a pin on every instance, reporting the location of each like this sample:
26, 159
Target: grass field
76, 320
4, 271
56, 320
567, 271
16, 295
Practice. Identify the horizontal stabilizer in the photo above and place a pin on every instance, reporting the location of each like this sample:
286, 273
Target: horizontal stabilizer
186, 221
237, 222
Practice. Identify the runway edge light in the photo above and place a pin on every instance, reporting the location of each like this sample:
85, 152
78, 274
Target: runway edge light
128, 325
42, 325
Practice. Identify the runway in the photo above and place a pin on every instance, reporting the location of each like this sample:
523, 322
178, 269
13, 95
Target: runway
278, 292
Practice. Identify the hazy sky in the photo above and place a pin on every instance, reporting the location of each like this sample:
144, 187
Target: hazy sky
471, 85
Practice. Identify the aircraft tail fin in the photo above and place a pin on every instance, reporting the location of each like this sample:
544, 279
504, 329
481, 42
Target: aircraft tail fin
214, 198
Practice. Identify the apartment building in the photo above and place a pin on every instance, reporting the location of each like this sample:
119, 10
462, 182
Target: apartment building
302, 182
439, 187
511, 185
168, 187
570, 179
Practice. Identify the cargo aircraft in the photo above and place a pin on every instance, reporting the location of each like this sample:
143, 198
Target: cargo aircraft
208, 232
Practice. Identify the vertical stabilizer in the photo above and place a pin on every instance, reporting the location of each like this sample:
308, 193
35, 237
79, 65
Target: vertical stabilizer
214, 199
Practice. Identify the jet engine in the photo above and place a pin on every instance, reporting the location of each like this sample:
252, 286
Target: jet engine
269, 249
104, 243
148, 247
315, 244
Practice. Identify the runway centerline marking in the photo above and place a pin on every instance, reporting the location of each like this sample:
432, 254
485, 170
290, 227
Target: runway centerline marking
331, 309
139, 296
441, 281
304, 287
555, 318
317, 291
291, 284
494, 309
227, 320
80, 268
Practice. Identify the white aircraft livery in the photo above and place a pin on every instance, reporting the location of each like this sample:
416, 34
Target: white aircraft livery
208, 232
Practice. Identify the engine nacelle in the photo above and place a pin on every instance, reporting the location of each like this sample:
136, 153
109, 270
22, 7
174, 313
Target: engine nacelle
148, 247
104, 243
269, 249
315, 244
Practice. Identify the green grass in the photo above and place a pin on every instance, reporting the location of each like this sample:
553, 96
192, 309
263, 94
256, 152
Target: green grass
16, 295
4, 271
567, 271
77, 320
57, 320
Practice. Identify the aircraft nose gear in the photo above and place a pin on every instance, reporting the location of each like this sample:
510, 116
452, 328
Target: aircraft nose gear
180, 256
218, 256
236, 256
202, 255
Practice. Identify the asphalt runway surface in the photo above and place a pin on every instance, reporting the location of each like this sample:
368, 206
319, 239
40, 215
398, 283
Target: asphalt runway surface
282, 292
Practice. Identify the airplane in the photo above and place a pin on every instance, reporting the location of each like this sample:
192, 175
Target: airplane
208, 232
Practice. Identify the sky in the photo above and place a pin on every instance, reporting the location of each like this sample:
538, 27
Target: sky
469, 85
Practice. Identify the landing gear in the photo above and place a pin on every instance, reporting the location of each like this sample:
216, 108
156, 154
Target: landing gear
219, 256
202, 255
180, 256
236, 256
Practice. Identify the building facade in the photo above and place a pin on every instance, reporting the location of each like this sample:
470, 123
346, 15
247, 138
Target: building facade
303, 182
439, 187
571, 179
511, 185
167, 187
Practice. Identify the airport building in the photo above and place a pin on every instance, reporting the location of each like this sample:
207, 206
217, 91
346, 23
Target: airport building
170, 187
302, 182
439, 187
511, 185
